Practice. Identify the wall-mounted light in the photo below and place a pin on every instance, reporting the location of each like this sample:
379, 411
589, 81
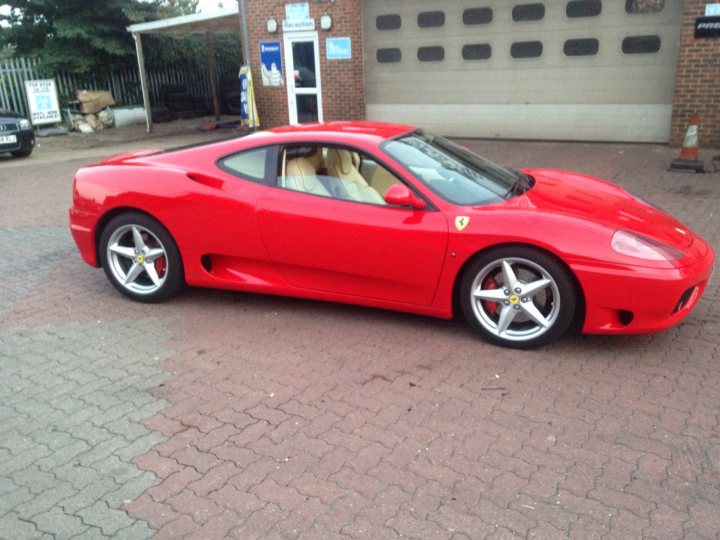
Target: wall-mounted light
272, 26
326, 22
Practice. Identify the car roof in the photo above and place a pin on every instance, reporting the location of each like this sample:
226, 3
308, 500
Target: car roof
355, 128
351, 132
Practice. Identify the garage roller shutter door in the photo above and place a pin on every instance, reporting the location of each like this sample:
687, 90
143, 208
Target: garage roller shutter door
563, 70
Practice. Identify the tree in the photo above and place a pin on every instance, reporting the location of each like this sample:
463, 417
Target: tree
80, 36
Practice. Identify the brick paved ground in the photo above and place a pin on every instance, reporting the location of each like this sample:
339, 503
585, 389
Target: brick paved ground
224, 414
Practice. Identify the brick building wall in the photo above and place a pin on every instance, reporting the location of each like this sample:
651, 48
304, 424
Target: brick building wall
343, 94
697, 83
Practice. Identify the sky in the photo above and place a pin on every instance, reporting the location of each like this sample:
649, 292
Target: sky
203, 5
212, 5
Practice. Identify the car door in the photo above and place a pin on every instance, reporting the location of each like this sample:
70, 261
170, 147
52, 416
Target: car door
323, 243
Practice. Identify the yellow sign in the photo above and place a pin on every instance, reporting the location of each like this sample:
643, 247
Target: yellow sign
461, 222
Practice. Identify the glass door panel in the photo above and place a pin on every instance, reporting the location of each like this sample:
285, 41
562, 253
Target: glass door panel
303, 77
304, 64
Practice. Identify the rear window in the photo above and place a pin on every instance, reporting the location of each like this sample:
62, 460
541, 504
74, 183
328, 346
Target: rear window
251, 164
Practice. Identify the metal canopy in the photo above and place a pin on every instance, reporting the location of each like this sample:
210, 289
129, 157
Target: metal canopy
225, 20
208, 23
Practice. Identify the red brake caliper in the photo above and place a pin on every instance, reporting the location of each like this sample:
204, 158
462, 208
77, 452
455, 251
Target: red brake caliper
160, 266
489, 283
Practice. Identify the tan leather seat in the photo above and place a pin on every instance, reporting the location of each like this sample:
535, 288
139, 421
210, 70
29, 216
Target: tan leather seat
340, 164
316, 159
382, 179
300, 175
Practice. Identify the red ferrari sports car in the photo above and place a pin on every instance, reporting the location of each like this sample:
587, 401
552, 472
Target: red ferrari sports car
394, 217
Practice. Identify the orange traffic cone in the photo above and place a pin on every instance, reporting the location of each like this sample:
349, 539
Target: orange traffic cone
688, 160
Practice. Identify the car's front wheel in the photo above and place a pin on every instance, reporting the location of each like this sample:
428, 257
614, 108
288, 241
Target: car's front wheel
140, 258
518, 296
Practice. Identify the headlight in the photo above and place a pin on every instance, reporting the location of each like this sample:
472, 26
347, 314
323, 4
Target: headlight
24, 123
635, 245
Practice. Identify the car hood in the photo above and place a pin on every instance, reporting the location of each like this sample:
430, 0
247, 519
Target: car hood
5, 113
605, 203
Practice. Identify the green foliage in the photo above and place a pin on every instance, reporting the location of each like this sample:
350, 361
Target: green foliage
72, 35
187, 49
190, 49
86, 36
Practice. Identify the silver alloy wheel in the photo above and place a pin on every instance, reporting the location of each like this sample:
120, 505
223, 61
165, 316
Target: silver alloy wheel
137, 259
515, 299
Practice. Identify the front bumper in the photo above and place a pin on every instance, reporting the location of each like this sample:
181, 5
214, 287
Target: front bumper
82, 227
639, 300
25, 141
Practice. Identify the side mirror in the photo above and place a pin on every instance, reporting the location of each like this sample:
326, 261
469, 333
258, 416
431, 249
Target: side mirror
400, 195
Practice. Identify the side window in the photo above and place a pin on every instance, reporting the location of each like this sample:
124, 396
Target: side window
583, 8
644, 6
251, 165
388, 22
388, 56
334, 172
528, 12
641, 44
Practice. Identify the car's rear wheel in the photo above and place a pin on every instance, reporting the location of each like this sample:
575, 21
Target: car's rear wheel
518, 296
140, 258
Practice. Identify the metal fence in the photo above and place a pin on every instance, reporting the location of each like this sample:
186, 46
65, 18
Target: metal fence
124, 85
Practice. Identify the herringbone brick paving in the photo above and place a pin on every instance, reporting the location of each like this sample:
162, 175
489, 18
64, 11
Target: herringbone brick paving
221, 414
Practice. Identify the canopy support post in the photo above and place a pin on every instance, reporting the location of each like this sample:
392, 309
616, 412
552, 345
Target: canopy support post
143, 80
213, 74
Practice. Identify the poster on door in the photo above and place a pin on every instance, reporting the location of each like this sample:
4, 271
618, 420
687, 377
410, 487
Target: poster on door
271, 63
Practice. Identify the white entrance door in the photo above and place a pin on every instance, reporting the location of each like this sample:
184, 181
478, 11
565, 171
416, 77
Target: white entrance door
302, 68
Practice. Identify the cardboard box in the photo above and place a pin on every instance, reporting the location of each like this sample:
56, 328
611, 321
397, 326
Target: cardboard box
92, 101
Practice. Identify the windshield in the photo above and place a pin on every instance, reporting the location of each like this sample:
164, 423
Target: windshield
454, 173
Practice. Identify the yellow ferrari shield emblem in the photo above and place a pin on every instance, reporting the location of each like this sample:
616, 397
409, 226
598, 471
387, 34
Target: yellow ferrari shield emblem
461, 222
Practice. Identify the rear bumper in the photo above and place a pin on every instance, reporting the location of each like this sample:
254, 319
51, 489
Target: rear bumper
638, 300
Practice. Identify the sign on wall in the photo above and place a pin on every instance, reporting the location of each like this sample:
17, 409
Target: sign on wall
297, 18
43, 101
707, 27
271, 63
298, 25
298, 11
712, 10
338, 48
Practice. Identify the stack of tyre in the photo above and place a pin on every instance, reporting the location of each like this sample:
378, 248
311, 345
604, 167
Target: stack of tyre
179, 104
230, 94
